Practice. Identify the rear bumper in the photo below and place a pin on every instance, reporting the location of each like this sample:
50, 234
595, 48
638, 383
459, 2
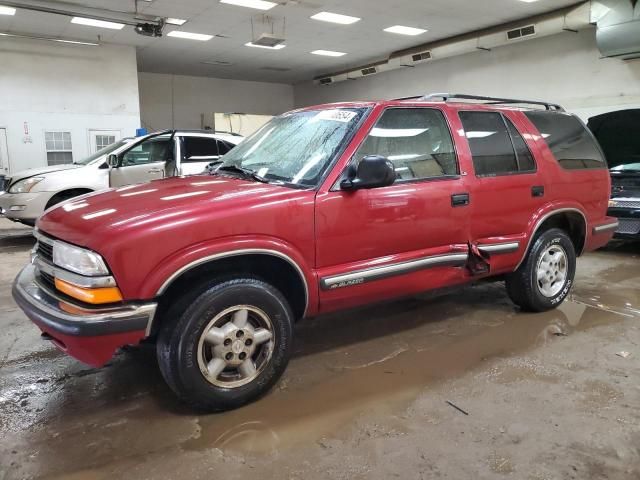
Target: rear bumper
91, 335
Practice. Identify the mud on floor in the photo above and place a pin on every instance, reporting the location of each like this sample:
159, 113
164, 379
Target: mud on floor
539, 395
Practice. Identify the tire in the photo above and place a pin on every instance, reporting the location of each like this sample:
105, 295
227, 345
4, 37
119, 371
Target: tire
557, 271
190, 351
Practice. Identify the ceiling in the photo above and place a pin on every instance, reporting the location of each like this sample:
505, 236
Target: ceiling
363, 41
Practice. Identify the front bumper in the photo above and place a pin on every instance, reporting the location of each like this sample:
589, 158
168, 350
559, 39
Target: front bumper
24, 207
91, 335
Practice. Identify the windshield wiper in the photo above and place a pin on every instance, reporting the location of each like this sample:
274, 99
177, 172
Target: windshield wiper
245, 172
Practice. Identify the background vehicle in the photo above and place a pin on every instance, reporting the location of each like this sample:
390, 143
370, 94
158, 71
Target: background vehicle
619, 135
322, 209
30, 192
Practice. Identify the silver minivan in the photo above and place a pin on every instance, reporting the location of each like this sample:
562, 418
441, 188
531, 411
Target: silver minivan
27, 194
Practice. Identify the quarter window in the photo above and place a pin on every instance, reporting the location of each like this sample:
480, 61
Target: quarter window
571, 143
416, 140
224, 147
496, 145
59, 148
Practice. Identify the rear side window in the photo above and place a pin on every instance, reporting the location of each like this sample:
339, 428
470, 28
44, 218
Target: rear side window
198, 149
571, 143
496, 145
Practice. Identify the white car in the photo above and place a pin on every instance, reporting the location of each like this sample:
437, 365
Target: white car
27, 194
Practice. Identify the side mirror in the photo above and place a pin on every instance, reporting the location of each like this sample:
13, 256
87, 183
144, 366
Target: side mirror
373, 171
113, 161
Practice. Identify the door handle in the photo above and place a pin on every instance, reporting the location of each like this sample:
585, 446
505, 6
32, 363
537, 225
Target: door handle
459, 199
155, 170
537, 191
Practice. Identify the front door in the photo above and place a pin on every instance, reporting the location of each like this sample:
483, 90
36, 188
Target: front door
405, 238
145, 161
98, 139
4, 153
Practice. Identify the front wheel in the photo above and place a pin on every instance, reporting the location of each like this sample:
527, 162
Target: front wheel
229, 347
546, 276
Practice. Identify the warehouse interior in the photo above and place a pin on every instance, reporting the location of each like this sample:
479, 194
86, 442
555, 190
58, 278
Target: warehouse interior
454, 383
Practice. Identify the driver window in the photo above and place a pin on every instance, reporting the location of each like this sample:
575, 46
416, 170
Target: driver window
416, 140
154, 149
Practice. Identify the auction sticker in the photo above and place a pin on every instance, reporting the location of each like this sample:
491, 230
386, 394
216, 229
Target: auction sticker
335, 115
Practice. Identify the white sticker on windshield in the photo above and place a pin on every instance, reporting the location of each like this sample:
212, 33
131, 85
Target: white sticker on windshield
335, 115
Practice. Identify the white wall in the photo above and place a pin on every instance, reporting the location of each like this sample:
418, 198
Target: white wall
64, 87
177, 101
564, 68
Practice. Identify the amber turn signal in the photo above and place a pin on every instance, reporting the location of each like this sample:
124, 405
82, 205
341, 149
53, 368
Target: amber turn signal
90, 295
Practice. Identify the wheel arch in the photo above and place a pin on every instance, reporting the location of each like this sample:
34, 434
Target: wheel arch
77, 191
570, 219
272, 266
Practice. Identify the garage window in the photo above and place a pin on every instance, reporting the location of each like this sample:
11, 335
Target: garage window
416, 140
571, 143
59, 149
496, 145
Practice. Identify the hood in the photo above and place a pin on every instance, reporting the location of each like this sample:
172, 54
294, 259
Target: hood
159, 206
32, 172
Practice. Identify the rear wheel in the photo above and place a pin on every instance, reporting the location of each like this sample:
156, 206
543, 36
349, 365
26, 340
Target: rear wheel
546, 275
229, 347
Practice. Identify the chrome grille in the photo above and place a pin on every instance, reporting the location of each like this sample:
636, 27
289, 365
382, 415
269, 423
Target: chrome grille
628, 226
626, 203
45, 251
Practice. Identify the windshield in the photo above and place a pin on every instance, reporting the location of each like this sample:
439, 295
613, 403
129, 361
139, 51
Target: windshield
295, 148
102, 152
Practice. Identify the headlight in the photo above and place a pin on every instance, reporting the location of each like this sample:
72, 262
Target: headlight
25, 186
78, 260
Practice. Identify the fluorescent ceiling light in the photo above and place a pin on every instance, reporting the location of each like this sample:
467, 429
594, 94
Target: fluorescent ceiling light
328, 53
7, 10
275, 47
402, 30
175, 21
48, 39
528, 1
190, 36
92, 22
257, 4
335, 18
397, 132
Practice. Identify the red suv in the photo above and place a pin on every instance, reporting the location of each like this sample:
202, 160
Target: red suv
323, 208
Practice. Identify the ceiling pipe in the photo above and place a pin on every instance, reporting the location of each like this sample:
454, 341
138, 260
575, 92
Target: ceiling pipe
569, 19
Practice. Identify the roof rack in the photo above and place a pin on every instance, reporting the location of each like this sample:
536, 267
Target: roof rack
489, 100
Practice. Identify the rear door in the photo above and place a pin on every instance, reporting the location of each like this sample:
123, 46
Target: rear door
408, 237
144, 162
508, 186
196, 153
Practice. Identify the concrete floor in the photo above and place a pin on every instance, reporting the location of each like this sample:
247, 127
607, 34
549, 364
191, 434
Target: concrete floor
366, 395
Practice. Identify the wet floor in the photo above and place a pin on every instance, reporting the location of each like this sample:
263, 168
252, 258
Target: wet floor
382, 370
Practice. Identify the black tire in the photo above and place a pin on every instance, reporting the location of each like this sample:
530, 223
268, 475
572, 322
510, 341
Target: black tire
522, 285
178, 350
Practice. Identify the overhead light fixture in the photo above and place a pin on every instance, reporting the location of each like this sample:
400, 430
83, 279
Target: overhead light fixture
335, 18
7, 10
257, 4
190, 36
48, 39
402, 30
275, 47
328, 53
92, 22
175, 21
